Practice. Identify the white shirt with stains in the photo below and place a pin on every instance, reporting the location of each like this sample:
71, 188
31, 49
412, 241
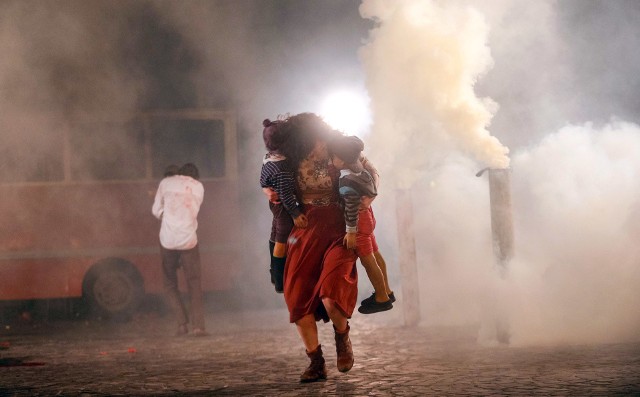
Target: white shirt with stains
177, 203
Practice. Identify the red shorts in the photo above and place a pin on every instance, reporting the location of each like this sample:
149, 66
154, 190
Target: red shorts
365, 240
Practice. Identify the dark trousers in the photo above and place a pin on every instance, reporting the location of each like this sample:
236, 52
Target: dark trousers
189, 260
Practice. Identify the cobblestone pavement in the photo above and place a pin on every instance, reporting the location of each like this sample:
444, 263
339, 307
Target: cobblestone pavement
80, 358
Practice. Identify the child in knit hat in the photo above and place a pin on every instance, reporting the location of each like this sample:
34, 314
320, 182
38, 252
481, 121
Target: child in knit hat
277, 175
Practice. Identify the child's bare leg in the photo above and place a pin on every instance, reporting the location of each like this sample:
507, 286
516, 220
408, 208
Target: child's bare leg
383, 267
375, 276
280, 250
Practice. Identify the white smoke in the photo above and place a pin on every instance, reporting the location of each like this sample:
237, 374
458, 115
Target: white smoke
575, 194
576, 199
422, 62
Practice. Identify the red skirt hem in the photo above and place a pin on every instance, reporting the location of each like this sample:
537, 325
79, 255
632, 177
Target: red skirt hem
319, 266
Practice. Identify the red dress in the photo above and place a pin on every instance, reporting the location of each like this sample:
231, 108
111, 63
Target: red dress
318, 265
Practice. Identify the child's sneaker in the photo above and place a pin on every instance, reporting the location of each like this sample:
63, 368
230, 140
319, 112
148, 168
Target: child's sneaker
375, 307
372, 299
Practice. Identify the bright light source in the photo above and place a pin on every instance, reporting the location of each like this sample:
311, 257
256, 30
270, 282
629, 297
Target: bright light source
348, 112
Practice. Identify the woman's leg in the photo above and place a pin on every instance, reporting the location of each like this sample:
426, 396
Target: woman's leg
338, 318
344, 351
308, 330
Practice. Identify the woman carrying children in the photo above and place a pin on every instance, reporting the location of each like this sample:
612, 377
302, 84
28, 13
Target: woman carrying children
320, 278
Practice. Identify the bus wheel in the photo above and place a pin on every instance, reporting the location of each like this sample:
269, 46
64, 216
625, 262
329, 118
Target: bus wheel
113, 288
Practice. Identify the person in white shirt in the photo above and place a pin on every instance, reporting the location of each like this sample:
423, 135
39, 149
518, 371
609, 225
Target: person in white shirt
176, 204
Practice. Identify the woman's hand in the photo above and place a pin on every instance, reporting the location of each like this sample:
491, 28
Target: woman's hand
271, 195
350, 241
371, 169
301, 221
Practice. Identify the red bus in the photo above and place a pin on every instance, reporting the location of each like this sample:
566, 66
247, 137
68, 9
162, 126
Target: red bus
76, 197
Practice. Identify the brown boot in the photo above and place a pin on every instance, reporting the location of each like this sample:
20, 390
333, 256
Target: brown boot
343, 350
316, 370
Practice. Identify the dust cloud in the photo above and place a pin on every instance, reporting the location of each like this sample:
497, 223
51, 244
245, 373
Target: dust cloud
575, 191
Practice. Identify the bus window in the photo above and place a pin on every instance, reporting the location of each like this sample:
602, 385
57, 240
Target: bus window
178, 141
107, 151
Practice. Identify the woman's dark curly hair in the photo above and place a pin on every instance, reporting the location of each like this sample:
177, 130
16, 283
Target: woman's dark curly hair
302, 131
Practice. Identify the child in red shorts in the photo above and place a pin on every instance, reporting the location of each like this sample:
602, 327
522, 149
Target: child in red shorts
356, 182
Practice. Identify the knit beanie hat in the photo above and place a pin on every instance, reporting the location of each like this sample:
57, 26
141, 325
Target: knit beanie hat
272, 135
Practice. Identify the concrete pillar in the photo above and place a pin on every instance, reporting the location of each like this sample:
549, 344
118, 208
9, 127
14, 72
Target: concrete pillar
501, 217
407, 257
503, 241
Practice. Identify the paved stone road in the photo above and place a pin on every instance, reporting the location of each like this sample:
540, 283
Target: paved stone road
240, 358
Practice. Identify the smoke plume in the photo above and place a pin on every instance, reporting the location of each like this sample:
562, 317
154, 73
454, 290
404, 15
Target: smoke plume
576, 196
574, 193
422, 62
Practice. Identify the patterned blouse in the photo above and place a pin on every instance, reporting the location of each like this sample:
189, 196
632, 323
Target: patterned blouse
317, 180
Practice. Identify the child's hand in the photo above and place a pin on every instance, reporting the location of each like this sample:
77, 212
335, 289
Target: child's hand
366, 201
301, 221
271, 195
350, 241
